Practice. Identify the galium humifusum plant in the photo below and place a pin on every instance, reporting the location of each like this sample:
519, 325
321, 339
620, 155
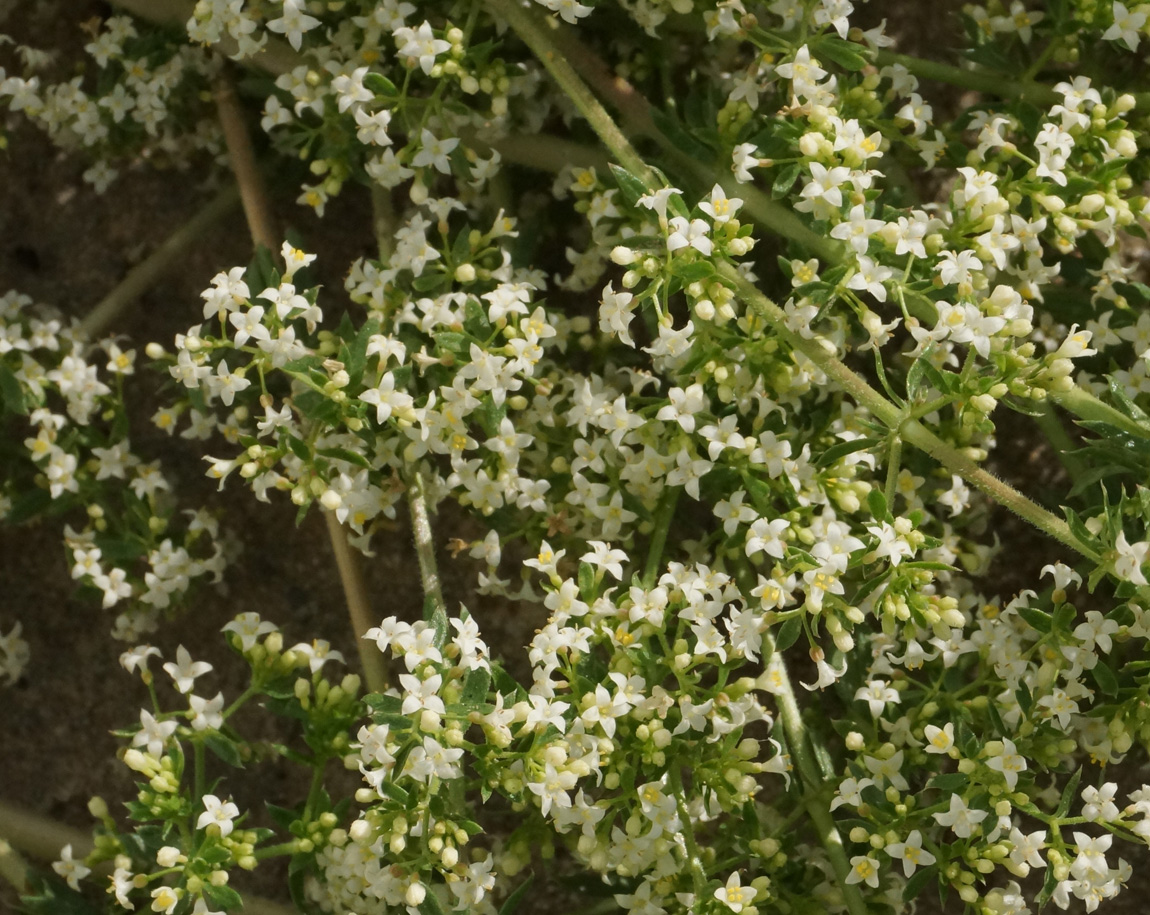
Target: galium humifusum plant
734, 464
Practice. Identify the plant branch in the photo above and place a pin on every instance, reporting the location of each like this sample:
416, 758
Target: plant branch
532, 31
663, 517
145, 274
42, 838
253, 191
424, 541
535, 32
275, 57
261, 224
981, 80
809, 776
358, 604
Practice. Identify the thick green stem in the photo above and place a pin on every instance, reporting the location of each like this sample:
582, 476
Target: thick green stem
1060, 441
1086, 406
810, 778
978, 80
424, 541
145, 274
663, 516
533, 31
982, 80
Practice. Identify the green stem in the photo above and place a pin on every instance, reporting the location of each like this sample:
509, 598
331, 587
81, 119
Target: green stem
663, 516
531, 29
981, 80
978, 80
810, 778
694, 858
894, 459
1085, 405
1060, 442
198, 763
424, 542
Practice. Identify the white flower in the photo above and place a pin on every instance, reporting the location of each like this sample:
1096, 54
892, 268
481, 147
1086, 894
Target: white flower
293, 23
911, 853
864, 869
960, 818
218, 813
69, 868
720, 207
939, 740
421, 44
1127, 25
1009, 762
185, 671
827, 675
734, 895
1130, 559
615, 314
876, 694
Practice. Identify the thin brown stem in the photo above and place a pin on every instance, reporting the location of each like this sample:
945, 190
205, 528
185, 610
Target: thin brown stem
145, 274
358, 604
253, 191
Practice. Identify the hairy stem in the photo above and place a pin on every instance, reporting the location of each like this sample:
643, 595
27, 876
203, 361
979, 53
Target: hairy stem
145, 274
981, 80
424, 541
663, 517
809, 776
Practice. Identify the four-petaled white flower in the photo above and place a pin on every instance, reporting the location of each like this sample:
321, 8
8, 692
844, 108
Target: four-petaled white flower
218, 813
963, 820
876, 694
910, 852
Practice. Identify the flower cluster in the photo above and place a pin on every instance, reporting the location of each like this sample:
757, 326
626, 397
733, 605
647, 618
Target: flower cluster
730, 479
77, 457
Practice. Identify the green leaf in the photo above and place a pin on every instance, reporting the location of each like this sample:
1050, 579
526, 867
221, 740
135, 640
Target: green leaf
785, 180
694, 271
846, 54
1068, 794
788, 634
629, 186
1037, 619
223, 897
923, 373
918, 881
453, 341
876, 502
430, 904
951, 781
476, 687
380, 85
514, 900
842, 449
225, 749
586, 580
1105, 678
11, 391
435, 613
343, 454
